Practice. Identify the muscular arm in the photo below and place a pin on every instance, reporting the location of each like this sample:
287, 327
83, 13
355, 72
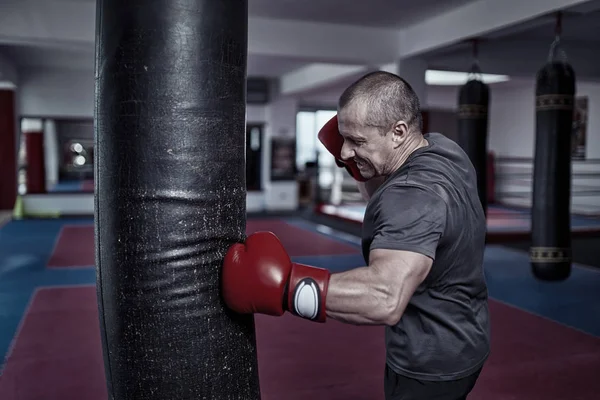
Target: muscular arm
377, 294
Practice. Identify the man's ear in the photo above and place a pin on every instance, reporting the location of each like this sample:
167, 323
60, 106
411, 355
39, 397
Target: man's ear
399, 132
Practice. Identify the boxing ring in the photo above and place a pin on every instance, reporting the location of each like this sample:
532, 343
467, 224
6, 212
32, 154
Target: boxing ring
505, 223
73, 186
545, 341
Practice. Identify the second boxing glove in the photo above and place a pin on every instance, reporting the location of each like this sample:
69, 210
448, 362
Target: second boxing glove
333, 141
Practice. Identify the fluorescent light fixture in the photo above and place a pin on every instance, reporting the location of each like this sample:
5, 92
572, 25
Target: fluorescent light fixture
7, 85
453, 78
31, 125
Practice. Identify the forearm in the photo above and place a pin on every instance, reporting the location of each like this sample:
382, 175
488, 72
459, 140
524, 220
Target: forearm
361, 297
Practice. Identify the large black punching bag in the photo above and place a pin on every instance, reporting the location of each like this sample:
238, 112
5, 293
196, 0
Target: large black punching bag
171, 197
474, 99
550, 252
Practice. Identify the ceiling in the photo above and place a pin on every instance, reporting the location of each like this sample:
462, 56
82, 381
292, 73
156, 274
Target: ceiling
576, 26
521, 50
517, 50
79, 60
372, 13
48, 57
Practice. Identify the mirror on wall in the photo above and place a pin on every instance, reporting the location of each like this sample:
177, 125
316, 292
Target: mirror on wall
56, 155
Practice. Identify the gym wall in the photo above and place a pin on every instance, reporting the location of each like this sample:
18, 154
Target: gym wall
438, 98
512, 118
56, 93
60, 94
279, 120
9, 71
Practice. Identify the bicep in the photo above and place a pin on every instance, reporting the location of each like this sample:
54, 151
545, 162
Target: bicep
400, 273
405, 270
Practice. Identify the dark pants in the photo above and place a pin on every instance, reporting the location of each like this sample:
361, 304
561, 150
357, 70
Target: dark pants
398, 387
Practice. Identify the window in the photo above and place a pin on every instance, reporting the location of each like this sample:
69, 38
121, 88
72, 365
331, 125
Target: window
305, 138
308, 124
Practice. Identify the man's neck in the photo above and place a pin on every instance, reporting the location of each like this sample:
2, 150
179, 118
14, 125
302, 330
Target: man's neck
414, 142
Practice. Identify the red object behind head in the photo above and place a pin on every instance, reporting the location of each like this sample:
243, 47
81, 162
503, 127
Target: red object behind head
333, 141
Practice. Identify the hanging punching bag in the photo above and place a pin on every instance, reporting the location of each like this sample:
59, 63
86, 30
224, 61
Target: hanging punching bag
550, 252
473, 103
170, 197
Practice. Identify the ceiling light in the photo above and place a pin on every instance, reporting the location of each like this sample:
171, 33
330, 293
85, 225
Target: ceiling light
453, 78
7, 85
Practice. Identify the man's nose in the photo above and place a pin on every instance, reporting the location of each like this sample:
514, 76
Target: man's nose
346, 153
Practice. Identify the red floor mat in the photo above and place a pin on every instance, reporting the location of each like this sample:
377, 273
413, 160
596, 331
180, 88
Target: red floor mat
532, 358
87, 186
74, 247
58, 356
506, 223
301, 242
301, 360
75, 243
535, 358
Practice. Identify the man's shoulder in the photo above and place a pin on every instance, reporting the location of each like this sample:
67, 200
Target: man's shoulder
445, 150
404, 191
443, 161
395, 192
438, 137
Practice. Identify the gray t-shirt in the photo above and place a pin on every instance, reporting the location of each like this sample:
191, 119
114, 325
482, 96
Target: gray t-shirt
431, 206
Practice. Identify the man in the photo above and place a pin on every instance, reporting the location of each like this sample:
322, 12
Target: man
423, 242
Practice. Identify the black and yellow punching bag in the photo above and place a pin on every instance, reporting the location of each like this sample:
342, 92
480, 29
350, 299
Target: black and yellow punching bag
550, 251
473, 105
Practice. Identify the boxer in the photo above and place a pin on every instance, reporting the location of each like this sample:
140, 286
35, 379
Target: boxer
423, 243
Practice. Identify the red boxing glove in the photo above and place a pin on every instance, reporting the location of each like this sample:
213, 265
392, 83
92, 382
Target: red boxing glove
259, 277
333, 141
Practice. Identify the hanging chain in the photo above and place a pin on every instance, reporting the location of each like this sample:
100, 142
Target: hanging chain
557, 52
475, 71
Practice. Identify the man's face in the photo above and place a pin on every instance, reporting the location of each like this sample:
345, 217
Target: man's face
367, 146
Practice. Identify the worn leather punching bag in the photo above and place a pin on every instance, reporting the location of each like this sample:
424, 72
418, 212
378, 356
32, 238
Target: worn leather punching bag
170, 129
474, 98
550, 252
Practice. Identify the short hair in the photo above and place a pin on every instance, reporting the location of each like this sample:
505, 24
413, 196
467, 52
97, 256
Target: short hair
388, 98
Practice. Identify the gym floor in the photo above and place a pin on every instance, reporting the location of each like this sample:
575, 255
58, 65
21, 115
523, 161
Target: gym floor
545, 336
